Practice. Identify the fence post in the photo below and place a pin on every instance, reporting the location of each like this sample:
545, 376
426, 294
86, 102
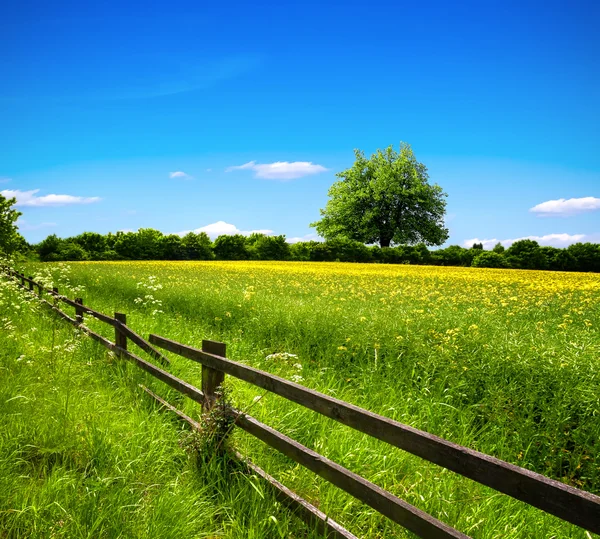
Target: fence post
120, 338
55, 294
211, 378
79, 311
31, 283
22, 280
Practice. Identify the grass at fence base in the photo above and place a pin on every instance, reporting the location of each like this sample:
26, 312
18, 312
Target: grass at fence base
505, 362
85, 453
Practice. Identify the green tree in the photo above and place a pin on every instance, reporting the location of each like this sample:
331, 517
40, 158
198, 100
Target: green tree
170, 247
385, 199
49, 248
586, 256
232, 247
92, 242
263, 247
197, 246
526, 254
489, 259
10, 239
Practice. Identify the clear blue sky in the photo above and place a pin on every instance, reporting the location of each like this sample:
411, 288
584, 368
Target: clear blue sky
101, 102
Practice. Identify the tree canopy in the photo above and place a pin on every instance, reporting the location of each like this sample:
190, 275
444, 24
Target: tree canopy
385, 199
10, 239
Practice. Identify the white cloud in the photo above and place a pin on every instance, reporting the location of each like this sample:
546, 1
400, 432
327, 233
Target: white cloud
180, 174
29, 198
222, 228
551, 240
566, 207
308, 237
281, 170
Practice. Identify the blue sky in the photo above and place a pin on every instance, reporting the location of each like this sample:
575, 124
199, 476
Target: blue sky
102, 102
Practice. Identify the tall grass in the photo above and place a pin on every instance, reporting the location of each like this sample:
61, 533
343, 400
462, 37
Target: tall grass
505, 362
83, 453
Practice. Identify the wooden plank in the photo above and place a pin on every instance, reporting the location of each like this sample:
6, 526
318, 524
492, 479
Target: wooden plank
102, 317
298, 505
387, 504
177, 383
212, 378
568, 503
87, 310
141, 342
303, 509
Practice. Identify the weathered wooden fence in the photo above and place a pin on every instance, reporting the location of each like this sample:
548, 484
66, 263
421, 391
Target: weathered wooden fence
568, 503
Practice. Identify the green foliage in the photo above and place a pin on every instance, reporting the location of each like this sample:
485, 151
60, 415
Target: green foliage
10, 239
489, 259
93, 243
453, 255
197, 246
171, 248
263, 247
525, 254
231, 247
586, 256
48, 248
70, 250
149, 244
385, 199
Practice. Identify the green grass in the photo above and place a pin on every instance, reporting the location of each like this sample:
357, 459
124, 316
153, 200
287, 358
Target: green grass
504, 362
84, 453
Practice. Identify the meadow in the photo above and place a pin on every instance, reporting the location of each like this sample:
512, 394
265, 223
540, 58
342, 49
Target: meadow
502, 361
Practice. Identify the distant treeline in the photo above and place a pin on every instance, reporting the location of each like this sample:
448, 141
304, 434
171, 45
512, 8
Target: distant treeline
150, 244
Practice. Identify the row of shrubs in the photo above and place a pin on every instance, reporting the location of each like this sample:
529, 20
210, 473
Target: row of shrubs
150, 244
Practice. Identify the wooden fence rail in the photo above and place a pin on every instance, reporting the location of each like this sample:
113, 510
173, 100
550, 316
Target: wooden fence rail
568, 503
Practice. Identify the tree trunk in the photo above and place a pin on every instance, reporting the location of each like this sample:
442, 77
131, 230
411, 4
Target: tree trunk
385, 242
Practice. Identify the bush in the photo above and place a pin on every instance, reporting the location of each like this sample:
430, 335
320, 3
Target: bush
197, 246
489, 259
263, 247
231, 247
525, 254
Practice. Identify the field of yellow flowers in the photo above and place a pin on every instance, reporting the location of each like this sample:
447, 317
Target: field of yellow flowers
503, 361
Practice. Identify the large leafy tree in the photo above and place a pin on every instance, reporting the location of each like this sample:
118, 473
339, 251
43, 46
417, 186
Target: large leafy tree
10, 239
385, 199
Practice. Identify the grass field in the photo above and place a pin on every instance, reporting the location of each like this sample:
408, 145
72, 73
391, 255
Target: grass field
502, 361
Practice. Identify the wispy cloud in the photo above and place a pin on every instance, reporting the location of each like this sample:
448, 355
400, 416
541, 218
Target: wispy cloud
566, 207
222, 228
25, 226
30, 198
5, 180
179, 174
280, 170
551, 240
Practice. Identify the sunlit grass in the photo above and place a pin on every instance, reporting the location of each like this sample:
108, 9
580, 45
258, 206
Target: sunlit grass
502, 361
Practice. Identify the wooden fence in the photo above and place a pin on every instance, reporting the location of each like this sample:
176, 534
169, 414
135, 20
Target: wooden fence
568, 503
